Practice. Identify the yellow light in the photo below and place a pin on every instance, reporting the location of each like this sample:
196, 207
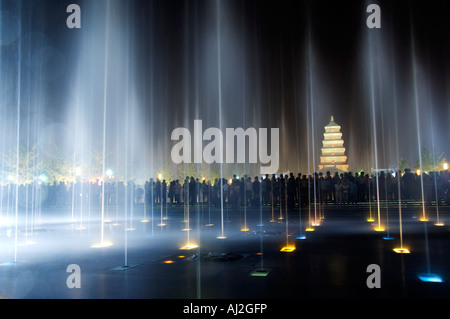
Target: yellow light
161, 224
245, 229
160, 176
230, 180
401, 250
189, 246
315, 224
131, 228
439, 224
418, 172
203, 178
145, 220
288, 249
309, 229
379, 228
107, 221
168, 261
27, 242
181, 256
423, 219
445, 166
370, 220
221, 237
102, 244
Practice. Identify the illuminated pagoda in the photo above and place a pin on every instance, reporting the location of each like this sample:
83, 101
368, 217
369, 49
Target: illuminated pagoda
333, 150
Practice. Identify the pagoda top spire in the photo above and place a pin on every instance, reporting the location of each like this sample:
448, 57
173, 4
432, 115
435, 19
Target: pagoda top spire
332, 123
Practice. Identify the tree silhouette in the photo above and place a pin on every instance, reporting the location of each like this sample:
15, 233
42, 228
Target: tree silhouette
432, 160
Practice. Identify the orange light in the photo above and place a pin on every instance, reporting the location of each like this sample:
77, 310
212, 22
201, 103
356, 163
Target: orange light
168, 261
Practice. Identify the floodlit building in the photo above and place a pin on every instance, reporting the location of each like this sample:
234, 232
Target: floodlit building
333, 150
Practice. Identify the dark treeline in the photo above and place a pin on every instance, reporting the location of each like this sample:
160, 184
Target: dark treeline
290, 190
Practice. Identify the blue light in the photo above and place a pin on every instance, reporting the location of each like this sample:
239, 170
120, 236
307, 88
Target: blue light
8, 263
429, 277
301, 237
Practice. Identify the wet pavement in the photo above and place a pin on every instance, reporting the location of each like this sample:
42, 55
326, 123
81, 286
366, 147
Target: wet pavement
331, 262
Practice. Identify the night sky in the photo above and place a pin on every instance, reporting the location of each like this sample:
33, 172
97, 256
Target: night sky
154, 66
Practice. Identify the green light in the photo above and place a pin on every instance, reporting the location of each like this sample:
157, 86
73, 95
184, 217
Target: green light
260, 272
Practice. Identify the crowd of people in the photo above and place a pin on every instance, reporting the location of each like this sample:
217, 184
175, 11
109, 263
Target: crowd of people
285, 189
